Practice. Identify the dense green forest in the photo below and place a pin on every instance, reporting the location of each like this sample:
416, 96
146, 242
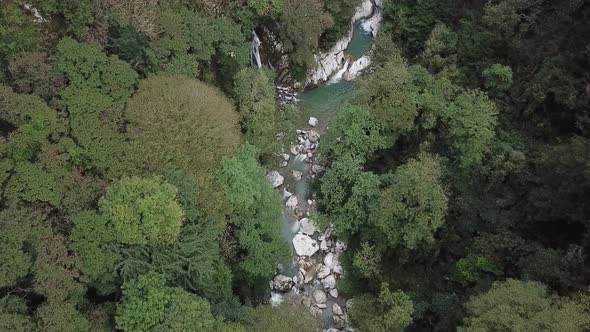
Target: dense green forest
136, 139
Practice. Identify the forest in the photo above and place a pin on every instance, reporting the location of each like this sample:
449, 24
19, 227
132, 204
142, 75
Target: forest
294, 165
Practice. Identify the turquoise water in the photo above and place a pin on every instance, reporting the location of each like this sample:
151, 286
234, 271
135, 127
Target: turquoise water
360, 43
323, 101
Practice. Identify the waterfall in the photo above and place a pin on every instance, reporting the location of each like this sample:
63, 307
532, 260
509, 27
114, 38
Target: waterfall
338, 76
255, 54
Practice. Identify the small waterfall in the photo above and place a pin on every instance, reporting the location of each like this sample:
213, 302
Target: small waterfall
338, 76
255, 54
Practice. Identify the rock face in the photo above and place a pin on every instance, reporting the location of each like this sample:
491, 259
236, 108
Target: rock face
275, 178
356, 68
282, 283
304, 245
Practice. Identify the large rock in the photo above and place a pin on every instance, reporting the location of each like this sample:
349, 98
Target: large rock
329, 282
338, 269
307, 226
357, 67
304, 245
319, 296
334, 293
275, 178
292, 202
330, 260
297, 175
313, 121
337, 310
324, 272
282, 283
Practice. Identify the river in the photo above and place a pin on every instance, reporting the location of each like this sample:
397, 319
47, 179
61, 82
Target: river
320, 102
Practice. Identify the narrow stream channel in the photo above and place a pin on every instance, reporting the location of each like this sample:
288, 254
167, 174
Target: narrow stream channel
321, 103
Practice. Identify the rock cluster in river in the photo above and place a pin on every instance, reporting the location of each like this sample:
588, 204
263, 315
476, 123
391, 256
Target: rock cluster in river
317, 252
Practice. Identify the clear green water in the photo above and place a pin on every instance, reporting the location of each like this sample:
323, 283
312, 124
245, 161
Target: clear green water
360, 43
323, 101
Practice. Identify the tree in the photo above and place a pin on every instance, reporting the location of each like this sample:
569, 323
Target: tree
498, 78
387, 94
287, 318
98, 87
22, 229
31, 183
302, 24
470, 125
32, 73
13, 315
355, 132
175, 123
514, 305
414, 205
142, 211
149, 305
390, 311
255, 94
56, 274
256, 212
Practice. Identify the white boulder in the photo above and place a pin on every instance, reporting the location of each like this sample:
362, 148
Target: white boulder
324, 272
314, 136
334, 293
304, 245
282, 283
319, 296
275, 178
337, 310
297, 175
329, 282
307, 226
292, 202
330, 260
313, 121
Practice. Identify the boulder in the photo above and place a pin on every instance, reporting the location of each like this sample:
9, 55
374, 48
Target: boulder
319, 296
324, 272
295, 150
275, 178
313, 121
329, 282
292, 202
330, 260
282, 283
304, 245
334, 293
317, 169
321, 305
297, 175
286, 157
306, 301
323, 245
314, 136
337, 310
286, 194
307, 226
338, 269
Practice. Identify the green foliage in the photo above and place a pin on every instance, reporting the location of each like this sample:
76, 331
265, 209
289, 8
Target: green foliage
514, 305
13, 315
470, 126
387, 94
367, 260
302, 24
355, 132
31, 183
92, 241
272, 8
287, 318
342, 12
142, 211
175, 123
56, 277
349, 195
471, 268
256, 214
149, 305
414, 205
98, 86
18, 32
498, 77
440, 53
388, 312
130, 45
22, 229
255, 92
